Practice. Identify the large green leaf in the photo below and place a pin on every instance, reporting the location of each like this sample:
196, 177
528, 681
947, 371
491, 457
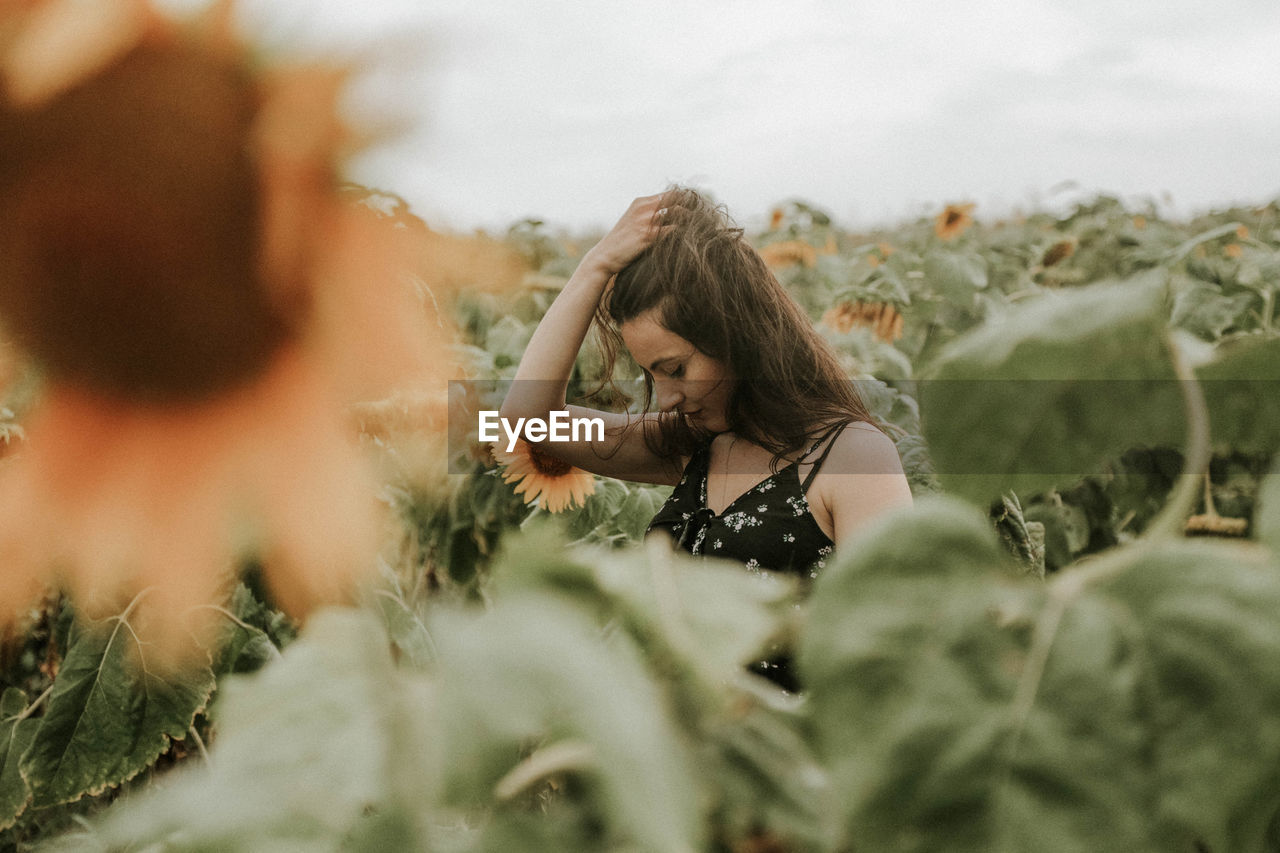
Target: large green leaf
663, 597
1209, 639
310, 749
16, 733
698, 623
536, 668
1133, 706
904, 668
111, 713
1242, 392
1051, 390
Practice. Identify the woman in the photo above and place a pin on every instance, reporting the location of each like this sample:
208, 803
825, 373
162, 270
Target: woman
773, 456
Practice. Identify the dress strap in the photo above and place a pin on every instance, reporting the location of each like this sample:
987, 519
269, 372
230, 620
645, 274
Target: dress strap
829, 437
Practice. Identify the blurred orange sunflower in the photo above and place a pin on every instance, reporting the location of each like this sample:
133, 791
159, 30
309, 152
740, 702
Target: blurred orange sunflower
953, 221
544, 479
789, 253
203, 308
881, 318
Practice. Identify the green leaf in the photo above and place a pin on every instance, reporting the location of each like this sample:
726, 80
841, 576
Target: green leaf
1066, 529
1242, 392
404, 625
1133, 706
243, 646
1021, 534
661, 596
111, 713
1206, 613
1205, 311
309, 749
1187, 246
904, 668
1051, 390
16, 735
535, 667
955, 275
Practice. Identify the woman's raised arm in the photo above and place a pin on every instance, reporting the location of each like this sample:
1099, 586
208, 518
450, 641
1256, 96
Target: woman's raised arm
542, 378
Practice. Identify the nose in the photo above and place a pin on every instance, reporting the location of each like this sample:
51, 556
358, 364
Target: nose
669, 395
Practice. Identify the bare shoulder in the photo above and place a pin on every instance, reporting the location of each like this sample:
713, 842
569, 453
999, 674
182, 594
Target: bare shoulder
861, 478
861, 448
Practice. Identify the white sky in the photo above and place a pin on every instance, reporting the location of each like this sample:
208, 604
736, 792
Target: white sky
875, 110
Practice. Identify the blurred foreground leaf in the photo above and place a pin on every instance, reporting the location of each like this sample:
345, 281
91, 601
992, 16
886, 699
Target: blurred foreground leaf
1053, 389
305, 747
1130, 707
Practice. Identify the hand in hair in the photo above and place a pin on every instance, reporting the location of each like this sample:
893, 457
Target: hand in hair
633, 233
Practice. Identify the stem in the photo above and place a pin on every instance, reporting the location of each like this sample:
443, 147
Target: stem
1209, 508
237, 620
30, 709
1168, 524
556, 758
204, 753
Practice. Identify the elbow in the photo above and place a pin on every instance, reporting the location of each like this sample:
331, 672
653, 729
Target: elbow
514, 409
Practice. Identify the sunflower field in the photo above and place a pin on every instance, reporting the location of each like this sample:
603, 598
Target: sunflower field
1068, 644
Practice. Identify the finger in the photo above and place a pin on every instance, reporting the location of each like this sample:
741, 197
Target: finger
645, 202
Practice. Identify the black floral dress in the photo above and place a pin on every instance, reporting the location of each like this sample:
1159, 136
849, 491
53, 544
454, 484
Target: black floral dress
768, 527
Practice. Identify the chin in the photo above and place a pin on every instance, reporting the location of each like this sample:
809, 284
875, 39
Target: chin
712, 426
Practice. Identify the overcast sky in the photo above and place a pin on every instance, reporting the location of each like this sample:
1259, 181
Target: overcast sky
874, 111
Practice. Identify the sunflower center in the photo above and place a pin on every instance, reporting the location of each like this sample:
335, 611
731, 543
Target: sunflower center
546, 464
129, 257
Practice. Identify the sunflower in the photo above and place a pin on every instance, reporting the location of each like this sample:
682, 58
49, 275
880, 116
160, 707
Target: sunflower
203, 308
544, 479
953, 221
789, 253
881, 318
1059, 252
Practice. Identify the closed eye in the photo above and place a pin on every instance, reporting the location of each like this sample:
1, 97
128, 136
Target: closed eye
677, 372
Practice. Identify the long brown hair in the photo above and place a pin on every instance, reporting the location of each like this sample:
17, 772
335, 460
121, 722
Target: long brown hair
714, 290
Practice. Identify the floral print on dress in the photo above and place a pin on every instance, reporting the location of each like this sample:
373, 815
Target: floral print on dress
778, 532
769, 527
739, 520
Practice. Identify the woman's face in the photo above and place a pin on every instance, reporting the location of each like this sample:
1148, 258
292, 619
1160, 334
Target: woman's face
684, 378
